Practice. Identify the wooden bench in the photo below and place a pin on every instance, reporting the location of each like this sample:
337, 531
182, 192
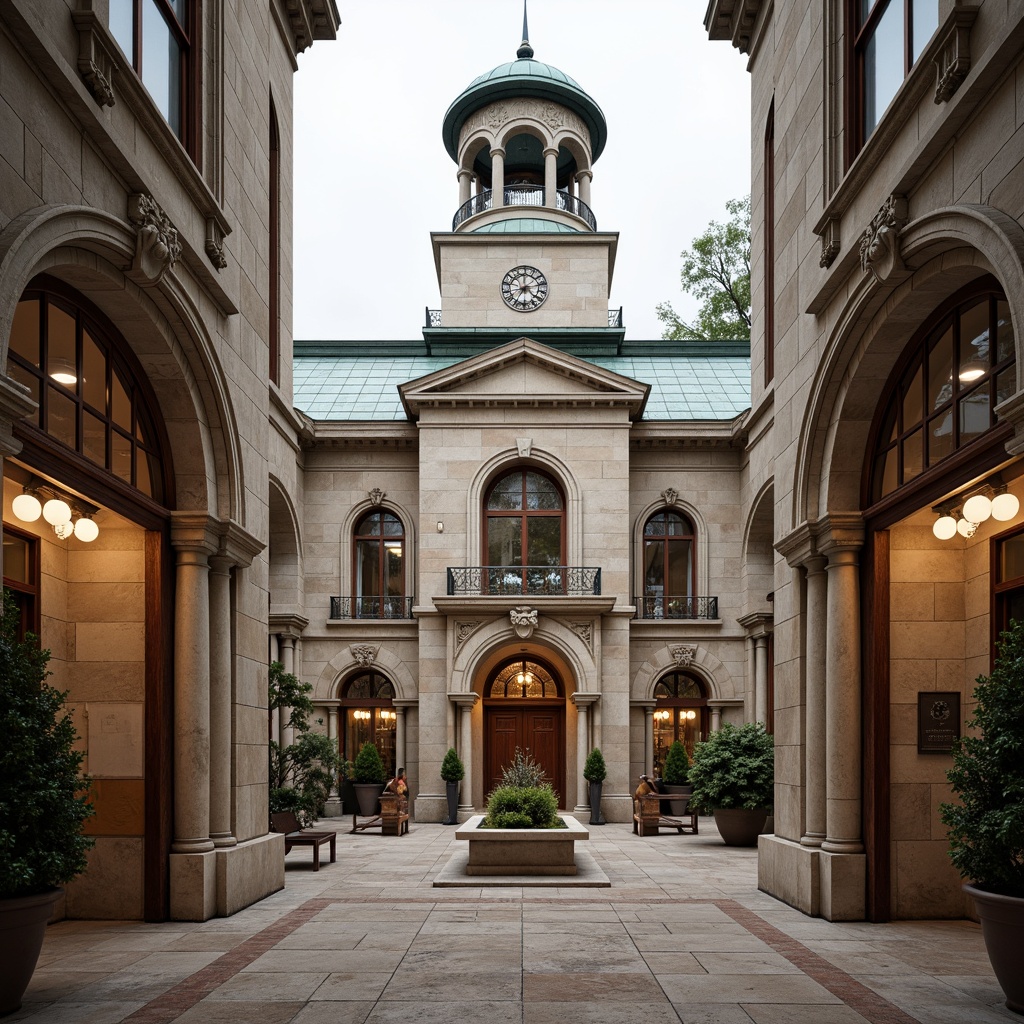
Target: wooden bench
296, 835
393, 819
649, 811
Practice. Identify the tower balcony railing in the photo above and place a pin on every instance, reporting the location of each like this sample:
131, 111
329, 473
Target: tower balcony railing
434, 318
668, 606
387, 607
524, 195
524, 581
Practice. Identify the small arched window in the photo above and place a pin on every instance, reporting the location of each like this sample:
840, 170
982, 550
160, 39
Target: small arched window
669, 566
379, 567
367, 706
524, 679
681, 714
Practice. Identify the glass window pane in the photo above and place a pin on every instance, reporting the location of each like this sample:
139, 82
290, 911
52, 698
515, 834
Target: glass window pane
679, 569
925, 18
890, 480
505, 540
367, 568
392, 526
544, 540
1011, 558
912, 456
655, 526
31, 381
369, 526
145, 471
678, 526
394, 569
507, 494
121, 25
94, 438
912, 403
61, 358
654, 567
975, 418
541, 493
883, 65
161, 64
16, 558
1004, 328
94, 374
25, 331
940, 370
180, 8
121, 456
940, 438
974, 344
60, 421
1006, 384
120, 403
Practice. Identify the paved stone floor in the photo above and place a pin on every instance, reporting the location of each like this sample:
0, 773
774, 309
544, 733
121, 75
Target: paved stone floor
682, 934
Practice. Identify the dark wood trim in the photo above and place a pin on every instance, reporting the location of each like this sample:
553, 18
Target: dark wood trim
769, 246
159, 724
31, 622
876, 712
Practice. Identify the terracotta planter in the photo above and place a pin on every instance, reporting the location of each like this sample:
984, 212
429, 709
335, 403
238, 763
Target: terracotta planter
22, 927
738, 826
368, 797
1002, 928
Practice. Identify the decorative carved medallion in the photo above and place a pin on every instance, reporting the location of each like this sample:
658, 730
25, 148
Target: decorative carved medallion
377, 496
96, 54
524, 620
525, 446
364, 654
683, 654
553, 115
215, 244
953, 61
157, 248
670, 495
585, 631
879, 245
829, 244
463, 631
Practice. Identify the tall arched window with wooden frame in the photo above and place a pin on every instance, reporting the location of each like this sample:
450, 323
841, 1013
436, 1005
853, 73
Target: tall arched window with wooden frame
368, 712
681, 714
669, 566
378, 566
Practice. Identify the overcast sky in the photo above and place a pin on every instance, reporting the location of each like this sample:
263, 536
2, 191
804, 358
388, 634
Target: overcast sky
372, 178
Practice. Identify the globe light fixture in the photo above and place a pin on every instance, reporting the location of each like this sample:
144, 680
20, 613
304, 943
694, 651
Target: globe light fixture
57, 512
64, 530
978, 508
966, 528
86, 530
944, 527
27, 507
1005, 506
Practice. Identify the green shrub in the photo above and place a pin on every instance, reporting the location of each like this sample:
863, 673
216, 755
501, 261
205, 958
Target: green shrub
677, 765
523, 772
594, 769
522, 807
452, 769
734, 767
986, 829
368, 765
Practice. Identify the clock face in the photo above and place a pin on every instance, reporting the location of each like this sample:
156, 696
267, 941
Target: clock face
524, 288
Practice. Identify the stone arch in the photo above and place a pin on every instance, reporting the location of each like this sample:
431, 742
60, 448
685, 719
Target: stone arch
287, 590
759, 549
709, 669
508, 458
944, 251
344, 665
577, 147
88, 250
524, 126
700, 528
481, 139
348, 526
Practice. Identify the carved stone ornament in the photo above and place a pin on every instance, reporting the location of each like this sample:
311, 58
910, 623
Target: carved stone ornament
463, 631
377, 496
585, 631
524, 620
829, 244
670, 495
157, 248
495, 115
96, 60
879, 245
525, 446
683, 654
363, 654
953, 61
215, 244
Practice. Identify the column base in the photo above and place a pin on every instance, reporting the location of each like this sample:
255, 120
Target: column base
843, 886
224, 840
813, 839
845, 846
248, 872
789, 872
193, 886
431, 807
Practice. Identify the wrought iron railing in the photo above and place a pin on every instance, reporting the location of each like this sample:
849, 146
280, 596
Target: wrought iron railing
525, 580
388, 607
615, 317
662, 606
524, 195
433, 318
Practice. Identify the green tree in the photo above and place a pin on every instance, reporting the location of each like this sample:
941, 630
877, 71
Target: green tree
716, 270
303, 773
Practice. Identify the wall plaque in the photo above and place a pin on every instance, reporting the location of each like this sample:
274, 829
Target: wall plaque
938, 722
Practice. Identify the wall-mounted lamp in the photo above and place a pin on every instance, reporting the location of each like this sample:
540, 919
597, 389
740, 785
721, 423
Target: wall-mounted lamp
440, 527
67, 515
990, 500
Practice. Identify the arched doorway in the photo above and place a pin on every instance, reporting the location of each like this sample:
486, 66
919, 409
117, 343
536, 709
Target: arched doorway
368, 715
681, 714
524, 706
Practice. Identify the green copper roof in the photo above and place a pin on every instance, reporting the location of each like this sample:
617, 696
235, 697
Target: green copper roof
525, 226
518, 78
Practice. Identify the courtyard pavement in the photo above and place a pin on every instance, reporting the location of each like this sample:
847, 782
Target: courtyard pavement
682, 934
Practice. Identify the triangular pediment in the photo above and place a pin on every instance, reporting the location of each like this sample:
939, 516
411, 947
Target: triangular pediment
524, 372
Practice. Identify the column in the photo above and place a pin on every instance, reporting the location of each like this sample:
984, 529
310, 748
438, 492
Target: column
750, 690
814, 703
274, 654
287, 642
465, 182
842, 704
399, 736
497, 178
332, 735
716, 718
465, 702
649, 740
551, 177
220, 702
584, 178
191, 693
583, 701
761, 678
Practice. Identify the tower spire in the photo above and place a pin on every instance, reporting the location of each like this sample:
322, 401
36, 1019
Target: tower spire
525, 50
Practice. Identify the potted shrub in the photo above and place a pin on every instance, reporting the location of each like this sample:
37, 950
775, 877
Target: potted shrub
524, 799
595, 772
733, 774
453, 772
986, 828
43, 805
676, 777
368, 778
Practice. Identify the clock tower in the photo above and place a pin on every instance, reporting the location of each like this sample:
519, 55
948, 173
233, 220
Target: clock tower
524, 255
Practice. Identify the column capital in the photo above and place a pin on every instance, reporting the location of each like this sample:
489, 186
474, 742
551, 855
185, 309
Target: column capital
550, 151
498, 151
585, 173
287, 624
584, 700
799, 545
237, 545
465, 172
195, 532
840, 532
405, 702
464, 700
648, 704
757, 624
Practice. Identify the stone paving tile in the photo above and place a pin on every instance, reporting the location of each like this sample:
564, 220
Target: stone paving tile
566, 987
782, 1013
218, 942
275, 988
587, 1011
70, 1012
438, 941
744, 988
326, 960
429, 984
211, 1011
717, 1013
745, 963
571, 961
446, 1011
915, 990
335, 1011
673, 963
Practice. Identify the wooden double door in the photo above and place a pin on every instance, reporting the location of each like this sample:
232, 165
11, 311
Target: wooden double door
536, 726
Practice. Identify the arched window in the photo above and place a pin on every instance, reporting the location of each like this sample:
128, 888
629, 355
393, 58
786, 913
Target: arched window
681, 714
960, 367
669, 567
379, 567
90, 395
524, 679
524, 534
367, 707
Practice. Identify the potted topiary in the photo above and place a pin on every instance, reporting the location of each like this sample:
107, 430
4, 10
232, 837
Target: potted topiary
732, 773
368, 778
986, 828
675, 777
453, 772
595, 772
43, 805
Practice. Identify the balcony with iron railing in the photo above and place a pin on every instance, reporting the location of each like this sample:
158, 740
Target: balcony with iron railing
524, 581
389, 607
668, 606
524, 195
434, 319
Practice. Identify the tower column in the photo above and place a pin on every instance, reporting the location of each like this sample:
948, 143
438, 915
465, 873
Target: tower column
465, 185
816, 721
550, 177
584, 178
497, 177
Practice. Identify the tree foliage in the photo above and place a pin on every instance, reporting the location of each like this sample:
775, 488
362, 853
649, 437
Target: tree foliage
452, 768
302, 773
986, 829
369, 765
677, 765
734, 767
716, 270
594, 768
44, 798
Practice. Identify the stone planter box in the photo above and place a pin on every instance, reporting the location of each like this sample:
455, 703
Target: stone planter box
522, 851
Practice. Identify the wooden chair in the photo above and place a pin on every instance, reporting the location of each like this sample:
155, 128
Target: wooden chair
296, 835
649, 807
393, 819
